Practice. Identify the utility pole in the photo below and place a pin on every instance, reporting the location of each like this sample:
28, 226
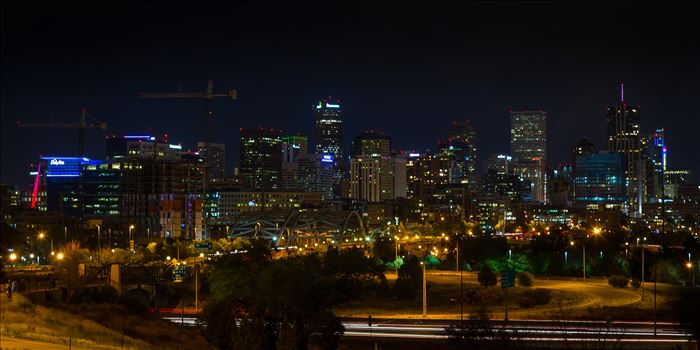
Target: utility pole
425, 296
584, 260
643, 249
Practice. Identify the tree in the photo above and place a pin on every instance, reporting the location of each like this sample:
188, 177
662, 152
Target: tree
487, 278
410, 278
259, 303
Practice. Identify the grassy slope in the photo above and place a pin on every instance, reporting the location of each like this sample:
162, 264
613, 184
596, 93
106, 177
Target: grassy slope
93, 326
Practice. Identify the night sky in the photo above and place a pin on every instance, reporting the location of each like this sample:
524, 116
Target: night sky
406, 69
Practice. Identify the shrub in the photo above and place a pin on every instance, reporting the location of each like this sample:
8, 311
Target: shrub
525, 279
487, 278
636, 283
618, 281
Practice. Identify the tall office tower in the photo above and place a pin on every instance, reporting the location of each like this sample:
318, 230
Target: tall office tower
371, 178
315, 173
329, 133
261, 157
528, 135
654, 164
528, 143
371, 142
462, 141
427, 173
622, 135
582, 148
600, 178
216, 168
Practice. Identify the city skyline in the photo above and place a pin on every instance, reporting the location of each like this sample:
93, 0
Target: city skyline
277, 92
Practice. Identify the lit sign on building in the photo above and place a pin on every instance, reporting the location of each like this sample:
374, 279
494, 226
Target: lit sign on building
413, 155
327, 158
175, 146
57, 162
330, 105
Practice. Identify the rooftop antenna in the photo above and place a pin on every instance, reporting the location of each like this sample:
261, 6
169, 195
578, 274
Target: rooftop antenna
622, 92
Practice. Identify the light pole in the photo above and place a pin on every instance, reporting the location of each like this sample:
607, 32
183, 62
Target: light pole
99, 246
689, 265
425, 296
643, 249
131, 228
65, 234
396, 258
583, 244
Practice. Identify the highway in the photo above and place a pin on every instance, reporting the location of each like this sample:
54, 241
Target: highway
641, 334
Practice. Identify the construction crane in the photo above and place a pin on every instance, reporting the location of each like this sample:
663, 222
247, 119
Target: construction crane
208, 96
81, 126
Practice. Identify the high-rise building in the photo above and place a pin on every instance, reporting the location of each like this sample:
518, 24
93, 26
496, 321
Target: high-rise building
315, 173
600, 178
582, 148
654, 164
261, 157
528, 143
216, 163
371, 178
371, 142
528, 135
461, 142
329, 133
622, 135
163, 197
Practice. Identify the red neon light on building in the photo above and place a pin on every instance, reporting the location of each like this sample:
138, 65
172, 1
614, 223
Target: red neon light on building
36, 186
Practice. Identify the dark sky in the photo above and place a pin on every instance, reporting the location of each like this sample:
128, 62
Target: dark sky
406, 69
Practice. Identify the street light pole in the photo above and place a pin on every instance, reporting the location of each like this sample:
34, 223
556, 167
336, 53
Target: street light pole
584, 260
425, 296
98, 243
396, 258
643, 273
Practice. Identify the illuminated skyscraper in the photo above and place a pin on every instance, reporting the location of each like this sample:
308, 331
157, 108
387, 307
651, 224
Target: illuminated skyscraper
528, 135
329, 132
217, 162
461, 142
261, 157
622, 135
654, 159
528, 144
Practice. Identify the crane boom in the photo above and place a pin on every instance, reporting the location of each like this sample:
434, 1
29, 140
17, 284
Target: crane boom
233, 94
81, 126
102, 126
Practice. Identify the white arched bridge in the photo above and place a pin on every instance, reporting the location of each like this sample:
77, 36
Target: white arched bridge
290, 228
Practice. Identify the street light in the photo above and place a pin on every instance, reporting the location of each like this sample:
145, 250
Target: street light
59, 256
131, 227
13, 257
425, 296
689, 265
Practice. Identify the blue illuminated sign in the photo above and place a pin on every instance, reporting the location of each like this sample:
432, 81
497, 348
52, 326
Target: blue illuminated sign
327, 158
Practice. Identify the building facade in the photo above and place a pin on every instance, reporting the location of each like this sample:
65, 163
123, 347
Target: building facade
261, 157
